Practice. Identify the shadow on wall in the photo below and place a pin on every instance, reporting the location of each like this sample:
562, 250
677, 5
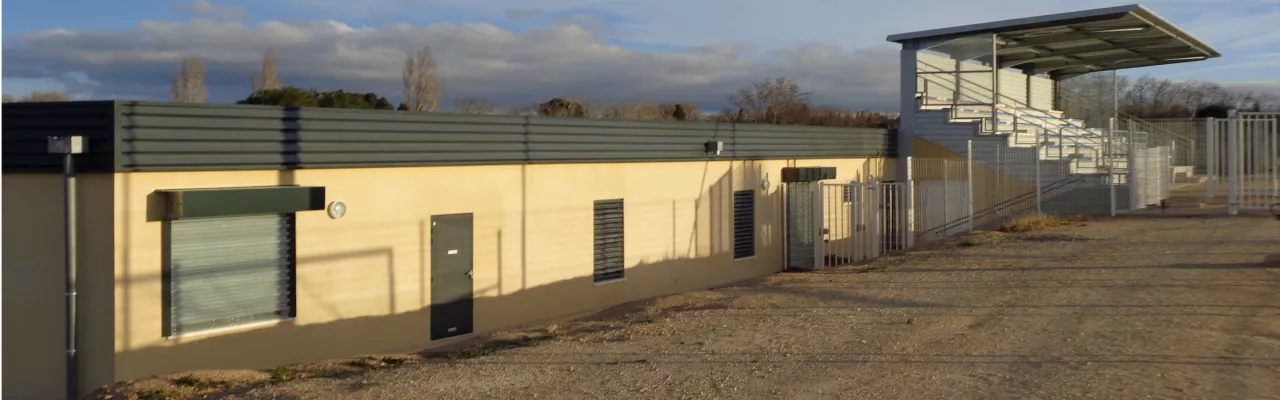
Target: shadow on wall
695, 252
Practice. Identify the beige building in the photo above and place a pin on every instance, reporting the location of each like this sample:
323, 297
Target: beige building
251, 237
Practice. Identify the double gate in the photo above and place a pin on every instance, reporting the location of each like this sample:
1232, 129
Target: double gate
830, 225
1244, 160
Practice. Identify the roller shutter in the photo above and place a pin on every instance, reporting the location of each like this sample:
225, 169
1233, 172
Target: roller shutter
228, 271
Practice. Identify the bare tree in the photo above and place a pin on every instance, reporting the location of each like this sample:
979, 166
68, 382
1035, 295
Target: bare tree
771, 101
422, 87
38, 97
472, 105
189, 82
268, 79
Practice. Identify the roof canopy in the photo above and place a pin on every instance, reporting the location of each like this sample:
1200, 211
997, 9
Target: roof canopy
1069, 44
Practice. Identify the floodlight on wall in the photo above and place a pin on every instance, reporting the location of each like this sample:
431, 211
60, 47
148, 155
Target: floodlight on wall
713, 147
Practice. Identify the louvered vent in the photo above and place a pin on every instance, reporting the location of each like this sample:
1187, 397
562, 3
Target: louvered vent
608, 240
744, 223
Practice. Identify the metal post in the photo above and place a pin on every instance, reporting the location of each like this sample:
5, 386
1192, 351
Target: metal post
1134, 169
995, 83
909, 210
1039, 208
1233, 163
67, 146
1211, 147
1111, 164
946, 196
969, 167
1272, 135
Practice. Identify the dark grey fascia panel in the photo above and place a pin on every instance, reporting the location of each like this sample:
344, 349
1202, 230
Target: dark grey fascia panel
144, 136
27, 127
224, 202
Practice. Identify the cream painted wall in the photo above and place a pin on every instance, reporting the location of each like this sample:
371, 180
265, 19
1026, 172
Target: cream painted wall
363, 281
34, 284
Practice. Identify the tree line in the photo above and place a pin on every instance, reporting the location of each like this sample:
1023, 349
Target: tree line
1148, 97
770, 101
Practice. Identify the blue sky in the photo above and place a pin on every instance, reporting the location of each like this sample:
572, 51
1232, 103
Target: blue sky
521, 52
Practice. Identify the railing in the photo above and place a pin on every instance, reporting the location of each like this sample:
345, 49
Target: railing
1020, 121
1030, 196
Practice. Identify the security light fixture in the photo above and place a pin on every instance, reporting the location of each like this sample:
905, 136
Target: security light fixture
336, 209
713, 147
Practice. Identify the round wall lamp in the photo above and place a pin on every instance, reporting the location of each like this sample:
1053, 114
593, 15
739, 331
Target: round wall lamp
336, 209
764, 183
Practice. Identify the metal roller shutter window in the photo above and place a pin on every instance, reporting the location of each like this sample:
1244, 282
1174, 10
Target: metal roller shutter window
608, 240
229, 271
744, 223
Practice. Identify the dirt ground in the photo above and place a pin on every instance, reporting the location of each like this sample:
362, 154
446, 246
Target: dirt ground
1141, 306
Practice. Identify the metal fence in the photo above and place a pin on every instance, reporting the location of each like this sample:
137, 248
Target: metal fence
1245, 153
835, 224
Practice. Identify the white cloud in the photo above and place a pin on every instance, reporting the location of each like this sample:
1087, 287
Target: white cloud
475, 60
206, 9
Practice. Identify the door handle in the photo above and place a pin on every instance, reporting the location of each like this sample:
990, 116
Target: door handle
469, 273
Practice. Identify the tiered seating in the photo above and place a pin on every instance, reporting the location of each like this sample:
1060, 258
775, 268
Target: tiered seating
1059, 138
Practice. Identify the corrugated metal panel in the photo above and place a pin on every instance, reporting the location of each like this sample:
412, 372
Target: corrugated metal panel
609, 225
161, 136
744, 223
137, 136
228, 271
1041, 93
27, 127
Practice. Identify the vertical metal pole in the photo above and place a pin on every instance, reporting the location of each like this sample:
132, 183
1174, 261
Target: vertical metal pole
1111, 164
1131, 163
1039, 208
69, 201
946, 197
1233, 163
1211, 147
995, 83
1275, 155
907, 202
969, 167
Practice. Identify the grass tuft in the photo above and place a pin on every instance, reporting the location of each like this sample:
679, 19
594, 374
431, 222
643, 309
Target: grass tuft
1032, 223
283, 374
496, 345
191, 381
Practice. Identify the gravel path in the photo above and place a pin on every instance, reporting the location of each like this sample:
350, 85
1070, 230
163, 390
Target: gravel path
1126, 308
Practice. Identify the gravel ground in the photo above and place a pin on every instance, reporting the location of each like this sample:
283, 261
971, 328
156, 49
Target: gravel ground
1125, 308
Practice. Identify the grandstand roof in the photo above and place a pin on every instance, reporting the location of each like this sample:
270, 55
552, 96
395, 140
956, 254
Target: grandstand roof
1069, 44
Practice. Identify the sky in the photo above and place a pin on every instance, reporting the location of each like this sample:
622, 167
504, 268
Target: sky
524, 52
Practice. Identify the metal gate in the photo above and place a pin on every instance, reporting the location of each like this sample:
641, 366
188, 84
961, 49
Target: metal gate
831, 225
1253, 176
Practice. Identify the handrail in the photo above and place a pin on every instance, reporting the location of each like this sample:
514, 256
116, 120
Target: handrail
1001, 206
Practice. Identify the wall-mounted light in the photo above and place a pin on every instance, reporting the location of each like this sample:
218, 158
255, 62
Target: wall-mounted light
713, 147
336, 209
764, 183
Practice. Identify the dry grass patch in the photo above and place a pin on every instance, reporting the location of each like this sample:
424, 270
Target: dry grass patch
1032, 223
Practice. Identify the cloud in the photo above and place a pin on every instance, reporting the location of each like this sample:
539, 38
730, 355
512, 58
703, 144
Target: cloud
475, 59
206, 9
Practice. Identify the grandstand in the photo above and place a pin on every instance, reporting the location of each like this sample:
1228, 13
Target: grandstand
998, 85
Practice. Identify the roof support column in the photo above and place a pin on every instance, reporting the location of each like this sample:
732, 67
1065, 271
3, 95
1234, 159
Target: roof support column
995, 83
908, 104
